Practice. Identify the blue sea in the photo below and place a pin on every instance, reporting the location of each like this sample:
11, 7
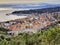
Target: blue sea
9, 8
28, 6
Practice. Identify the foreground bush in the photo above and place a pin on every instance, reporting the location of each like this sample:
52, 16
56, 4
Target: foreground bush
49, 36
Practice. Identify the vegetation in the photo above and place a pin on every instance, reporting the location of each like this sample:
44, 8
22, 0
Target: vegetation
50, 36
39, 11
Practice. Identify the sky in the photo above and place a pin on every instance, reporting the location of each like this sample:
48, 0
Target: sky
3, 17
29, 1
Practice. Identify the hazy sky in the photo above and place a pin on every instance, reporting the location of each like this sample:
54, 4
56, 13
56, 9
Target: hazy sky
29, 1
3, 17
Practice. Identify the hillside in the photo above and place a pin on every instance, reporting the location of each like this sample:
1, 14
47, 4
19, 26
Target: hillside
44, 10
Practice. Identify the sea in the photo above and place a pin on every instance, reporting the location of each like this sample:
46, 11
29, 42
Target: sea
9, 8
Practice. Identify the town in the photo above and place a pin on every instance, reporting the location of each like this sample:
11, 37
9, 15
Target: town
31, 24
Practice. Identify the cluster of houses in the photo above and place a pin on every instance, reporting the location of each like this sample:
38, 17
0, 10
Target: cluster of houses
29, 24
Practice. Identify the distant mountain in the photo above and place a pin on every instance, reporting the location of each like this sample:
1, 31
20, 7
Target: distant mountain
28, 6
7, 11
35, 6
43, 10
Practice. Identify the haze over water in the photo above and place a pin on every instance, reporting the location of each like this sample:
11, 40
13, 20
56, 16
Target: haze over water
9, 8
4, 17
